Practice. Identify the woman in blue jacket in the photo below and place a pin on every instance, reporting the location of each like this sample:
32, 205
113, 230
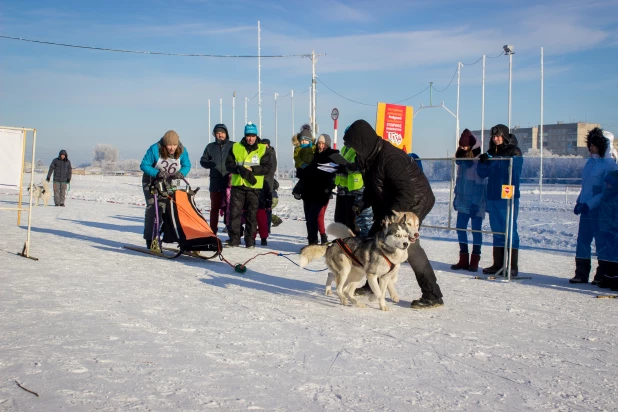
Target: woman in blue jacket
165, 160
503, 145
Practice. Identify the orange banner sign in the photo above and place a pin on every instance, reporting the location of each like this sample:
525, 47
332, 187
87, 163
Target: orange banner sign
394, 123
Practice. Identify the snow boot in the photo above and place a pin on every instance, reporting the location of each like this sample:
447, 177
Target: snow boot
323, 238
463, 262
603, 269
148, 243
423, 303
582, 270
607, 282
474, 262
264, 242
514, 263
498, 253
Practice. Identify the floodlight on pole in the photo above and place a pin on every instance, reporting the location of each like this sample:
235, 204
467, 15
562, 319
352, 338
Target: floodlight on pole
508, 50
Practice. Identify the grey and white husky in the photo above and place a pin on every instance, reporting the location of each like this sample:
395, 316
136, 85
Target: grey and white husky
377, 258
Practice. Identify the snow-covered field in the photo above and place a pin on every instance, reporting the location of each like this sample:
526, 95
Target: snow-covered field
93, 326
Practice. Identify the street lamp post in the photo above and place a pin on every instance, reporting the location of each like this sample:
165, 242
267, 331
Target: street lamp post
508, 50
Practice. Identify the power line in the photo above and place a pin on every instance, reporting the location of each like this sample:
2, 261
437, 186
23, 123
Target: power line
148, 52
465, 64
495, 57
449, 83
353, 101
411, 97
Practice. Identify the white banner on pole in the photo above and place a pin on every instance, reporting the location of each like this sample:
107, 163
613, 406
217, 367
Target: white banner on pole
11, 157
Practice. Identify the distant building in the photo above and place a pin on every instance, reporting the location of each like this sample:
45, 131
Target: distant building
560, 138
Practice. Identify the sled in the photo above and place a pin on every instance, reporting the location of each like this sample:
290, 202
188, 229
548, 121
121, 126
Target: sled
182, 223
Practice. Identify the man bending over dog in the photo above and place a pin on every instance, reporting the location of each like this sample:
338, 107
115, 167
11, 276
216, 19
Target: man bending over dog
393, 182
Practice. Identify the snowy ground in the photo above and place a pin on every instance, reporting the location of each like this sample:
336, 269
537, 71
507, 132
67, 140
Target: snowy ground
93, 326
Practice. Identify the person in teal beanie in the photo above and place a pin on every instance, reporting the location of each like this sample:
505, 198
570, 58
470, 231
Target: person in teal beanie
165, 160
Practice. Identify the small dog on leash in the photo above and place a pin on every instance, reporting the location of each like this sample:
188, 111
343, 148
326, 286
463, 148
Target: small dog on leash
352, 258
42, 192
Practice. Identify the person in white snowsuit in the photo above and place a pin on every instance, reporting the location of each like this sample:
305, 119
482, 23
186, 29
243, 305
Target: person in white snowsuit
588, 201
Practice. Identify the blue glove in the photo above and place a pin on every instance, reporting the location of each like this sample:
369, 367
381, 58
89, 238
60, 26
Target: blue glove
577, 209
483, 158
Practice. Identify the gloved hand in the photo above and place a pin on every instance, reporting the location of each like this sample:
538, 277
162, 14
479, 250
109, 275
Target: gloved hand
583, 208
337, 158
47, 179
577, 208
483, 158
68, 181
358, 207
178, 175
163, 175
247, 175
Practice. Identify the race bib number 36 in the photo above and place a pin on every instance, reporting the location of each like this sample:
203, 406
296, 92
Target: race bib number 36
170, 165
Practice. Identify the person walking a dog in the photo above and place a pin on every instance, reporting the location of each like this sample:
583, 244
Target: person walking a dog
214, 158
248, 162
503, 145
393, 182
165, 160
470, 201
61, 169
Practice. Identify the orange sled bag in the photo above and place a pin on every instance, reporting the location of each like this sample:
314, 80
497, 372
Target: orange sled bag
183, 223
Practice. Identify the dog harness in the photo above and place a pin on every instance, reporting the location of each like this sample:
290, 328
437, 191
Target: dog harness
349, 253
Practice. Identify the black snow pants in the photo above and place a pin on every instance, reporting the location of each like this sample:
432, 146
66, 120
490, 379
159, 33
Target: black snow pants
246, 199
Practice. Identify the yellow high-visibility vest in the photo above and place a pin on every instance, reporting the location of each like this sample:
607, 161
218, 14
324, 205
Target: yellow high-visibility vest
352, 180
245, 159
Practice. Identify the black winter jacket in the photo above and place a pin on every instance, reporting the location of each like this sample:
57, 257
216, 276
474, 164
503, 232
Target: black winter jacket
498, 170
269, 180
266, 162
61, 169
214, 158
318, 184
392, 180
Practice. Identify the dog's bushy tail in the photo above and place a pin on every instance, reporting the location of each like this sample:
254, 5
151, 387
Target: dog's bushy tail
311, 252
339, 231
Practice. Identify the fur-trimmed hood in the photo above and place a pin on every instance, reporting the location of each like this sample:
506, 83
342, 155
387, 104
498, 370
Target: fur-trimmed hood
596, 137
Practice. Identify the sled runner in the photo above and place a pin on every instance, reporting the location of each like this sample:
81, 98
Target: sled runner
181, 223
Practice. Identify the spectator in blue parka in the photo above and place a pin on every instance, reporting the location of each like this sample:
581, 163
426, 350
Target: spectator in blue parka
597, 167
503, 146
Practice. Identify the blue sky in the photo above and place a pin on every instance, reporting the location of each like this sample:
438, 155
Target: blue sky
374, 51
